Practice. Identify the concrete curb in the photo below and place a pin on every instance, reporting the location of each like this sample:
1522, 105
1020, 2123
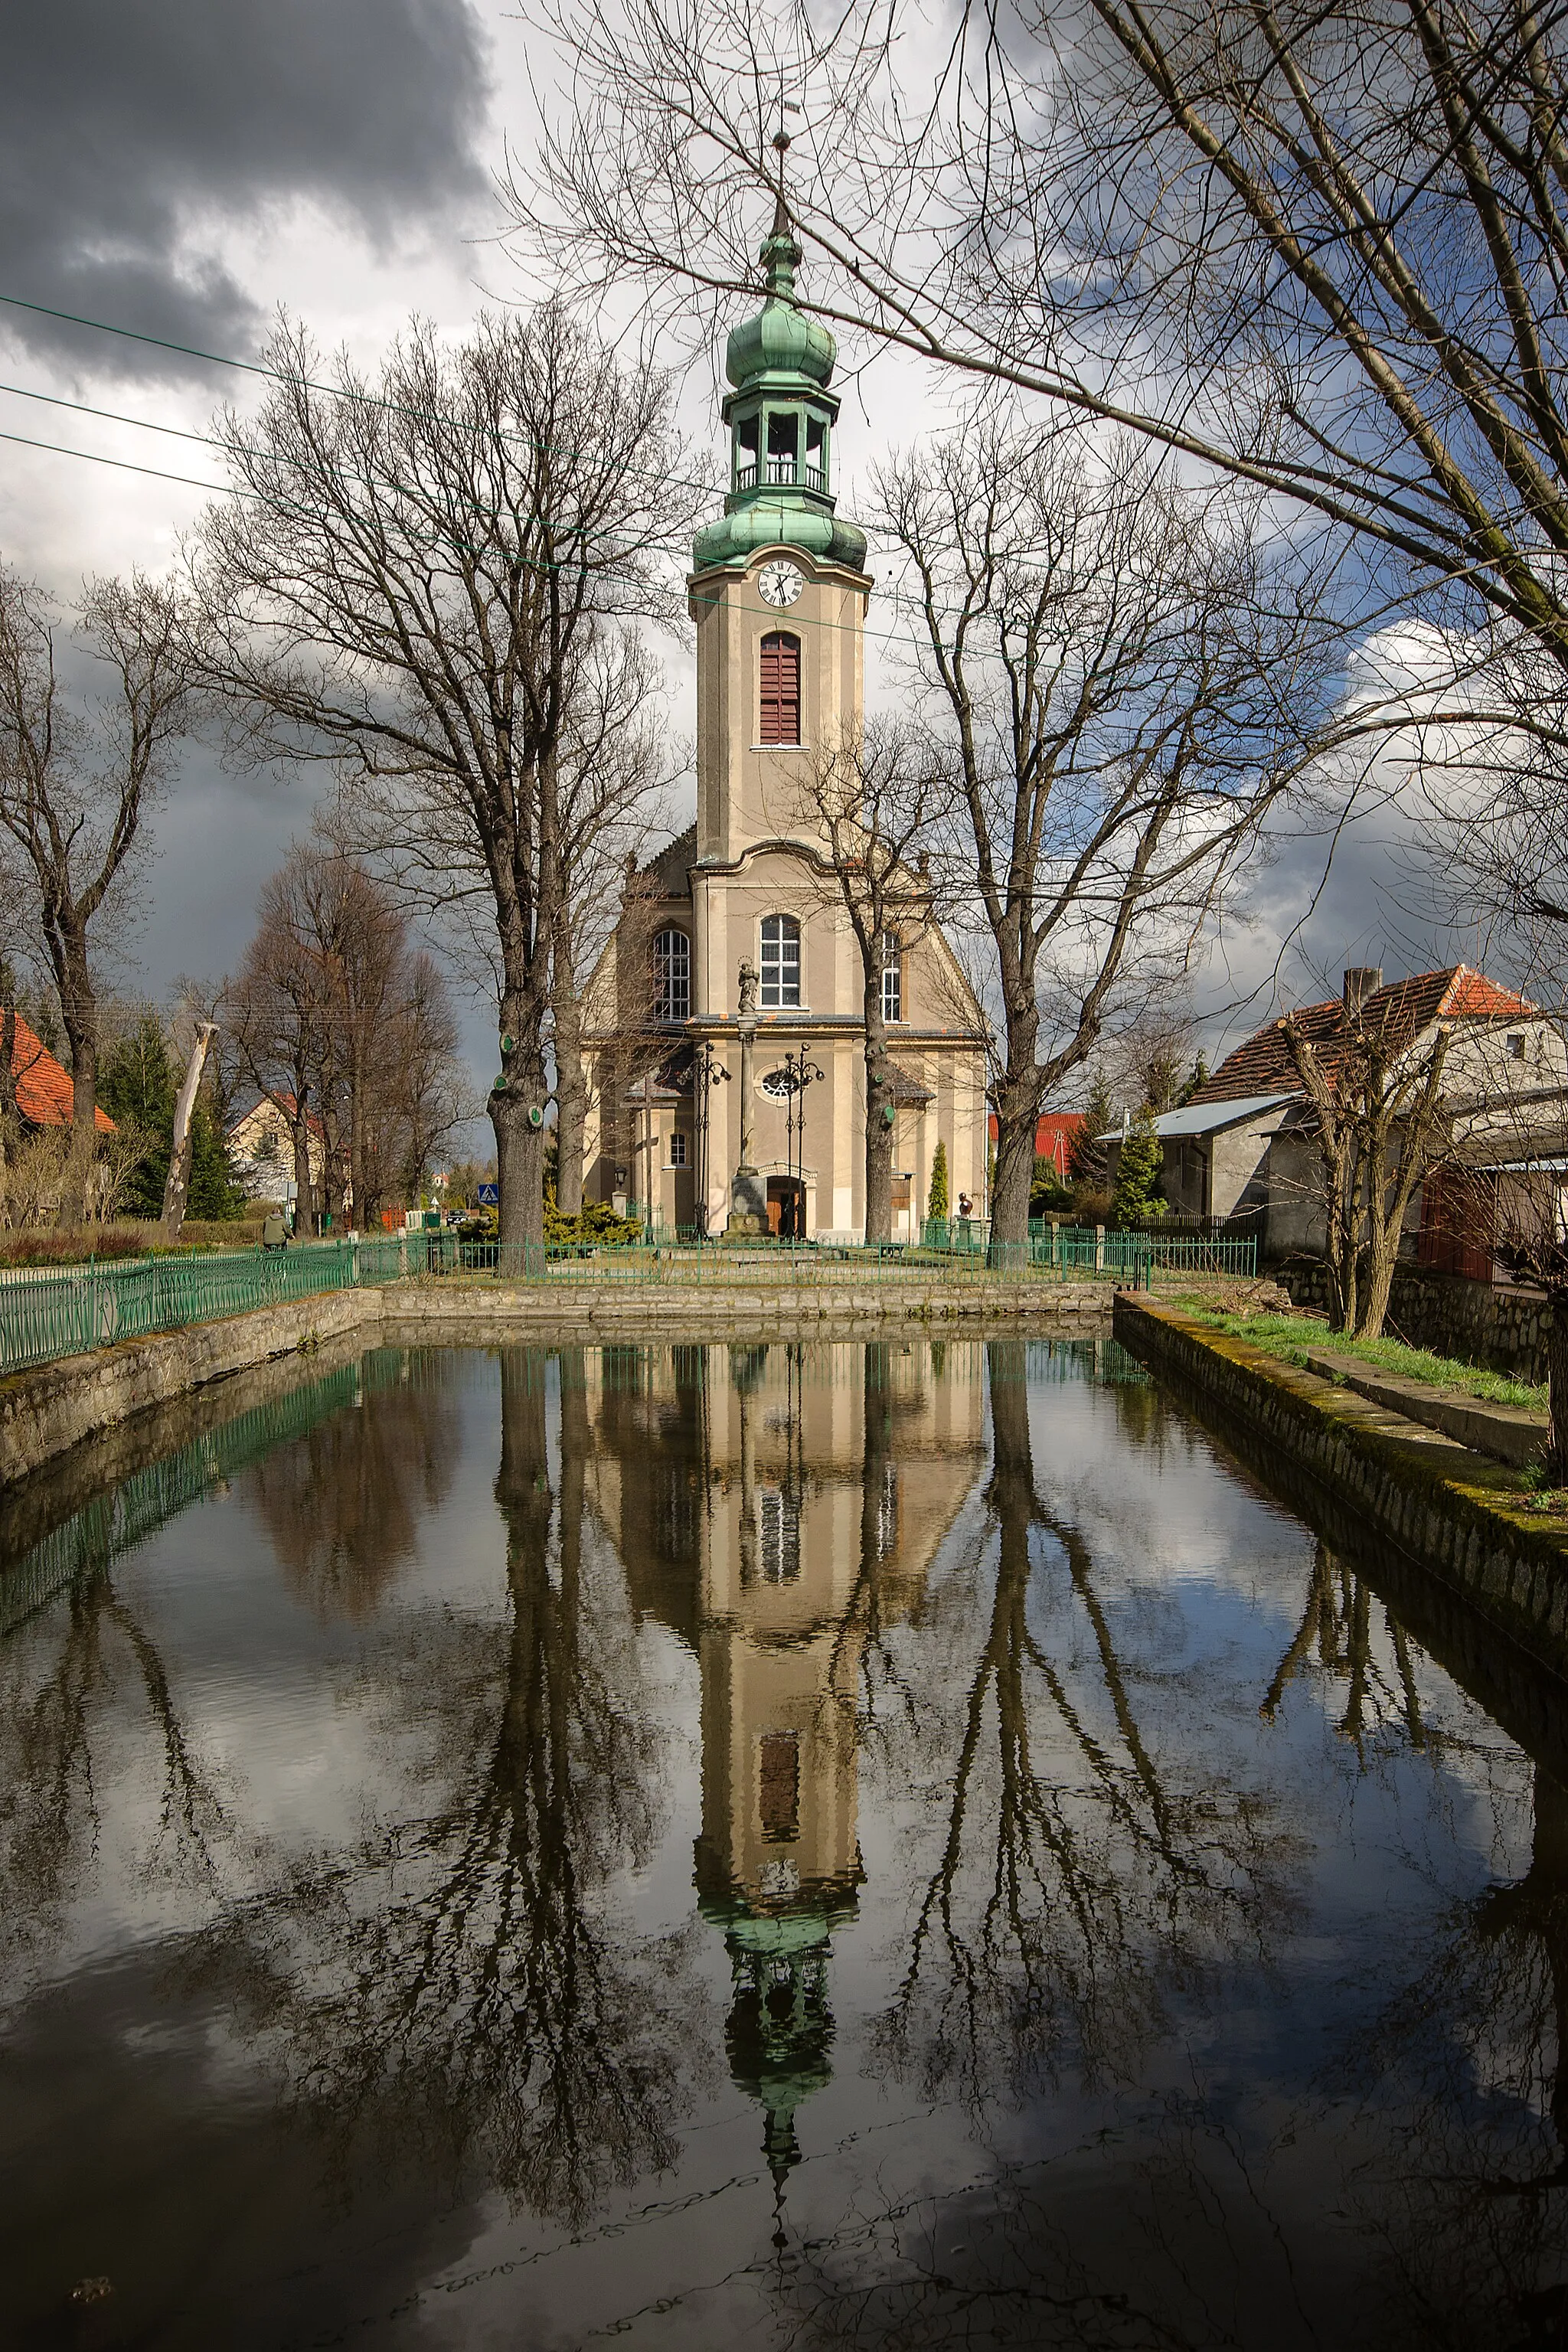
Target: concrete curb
1361, 1470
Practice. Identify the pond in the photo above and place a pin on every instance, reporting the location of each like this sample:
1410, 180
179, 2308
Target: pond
843, 1845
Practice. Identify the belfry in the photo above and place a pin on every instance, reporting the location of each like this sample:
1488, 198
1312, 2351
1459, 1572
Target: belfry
725, 1023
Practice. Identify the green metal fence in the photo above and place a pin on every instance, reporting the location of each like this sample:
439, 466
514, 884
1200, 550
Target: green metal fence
1090, 1249
1124, 1257
66, 1310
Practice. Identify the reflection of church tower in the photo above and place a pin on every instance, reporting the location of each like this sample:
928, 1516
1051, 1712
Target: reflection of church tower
778, 1861
822, 1483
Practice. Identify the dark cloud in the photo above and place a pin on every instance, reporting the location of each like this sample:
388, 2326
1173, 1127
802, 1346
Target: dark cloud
132, 130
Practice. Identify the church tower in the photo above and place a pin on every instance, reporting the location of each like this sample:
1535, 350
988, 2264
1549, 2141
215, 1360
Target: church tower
779, 587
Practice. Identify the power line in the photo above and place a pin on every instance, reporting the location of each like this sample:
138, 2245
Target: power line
230, 489
270, 374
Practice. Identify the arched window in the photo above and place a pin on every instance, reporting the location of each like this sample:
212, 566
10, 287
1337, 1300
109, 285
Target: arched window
671, 976
893, 977
781, 963
779, 720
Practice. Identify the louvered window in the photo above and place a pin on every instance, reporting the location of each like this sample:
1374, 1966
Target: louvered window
780, 717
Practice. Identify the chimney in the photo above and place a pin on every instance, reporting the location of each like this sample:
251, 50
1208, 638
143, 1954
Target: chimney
1362, 980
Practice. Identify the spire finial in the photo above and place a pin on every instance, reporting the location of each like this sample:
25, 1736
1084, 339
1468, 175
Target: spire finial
781, 254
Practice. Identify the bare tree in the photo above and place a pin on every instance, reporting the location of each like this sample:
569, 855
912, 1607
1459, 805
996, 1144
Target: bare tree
1380, 1122
1323, 254
271, 1013
75, 784
612, 783
404, 587
873, 797
1127, 686
339, 1019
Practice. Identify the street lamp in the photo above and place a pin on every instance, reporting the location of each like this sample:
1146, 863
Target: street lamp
707, 1072
794, 1075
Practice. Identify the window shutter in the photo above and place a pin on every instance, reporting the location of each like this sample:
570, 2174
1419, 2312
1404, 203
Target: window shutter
780, 717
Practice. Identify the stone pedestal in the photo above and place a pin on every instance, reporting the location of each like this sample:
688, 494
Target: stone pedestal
748, 1203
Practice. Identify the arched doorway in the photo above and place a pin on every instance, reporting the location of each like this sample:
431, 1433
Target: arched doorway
786, 1208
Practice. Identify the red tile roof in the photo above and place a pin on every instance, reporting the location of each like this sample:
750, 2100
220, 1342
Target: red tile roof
42, 1089
1399, 1012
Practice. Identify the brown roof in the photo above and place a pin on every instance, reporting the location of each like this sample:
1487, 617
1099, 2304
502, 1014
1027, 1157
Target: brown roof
1399, 1012
44, 1095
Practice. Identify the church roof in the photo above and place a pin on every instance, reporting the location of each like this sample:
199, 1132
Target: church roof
671, 867
781, 341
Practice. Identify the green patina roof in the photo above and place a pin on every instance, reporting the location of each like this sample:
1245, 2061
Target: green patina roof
784, 358
781, 341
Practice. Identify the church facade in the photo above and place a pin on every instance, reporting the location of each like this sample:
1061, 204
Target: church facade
735, 972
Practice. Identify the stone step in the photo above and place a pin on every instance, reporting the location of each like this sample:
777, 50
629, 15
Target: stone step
1505, 1432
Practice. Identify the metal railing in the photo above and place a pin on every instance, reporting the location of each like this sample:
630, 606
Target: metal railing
1123, 1257
66, 1310
1097, 1249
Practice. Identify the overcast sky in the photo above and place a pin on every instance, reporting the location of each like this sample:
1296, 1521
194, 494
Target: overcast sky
183, 169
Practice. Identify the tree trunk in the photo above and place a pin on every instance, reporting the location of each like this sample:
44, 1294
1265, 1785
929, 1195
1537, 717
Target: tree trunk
304, 1204
519, 1154
1016, 1115
878, 1119
177, 1184
79, 1011
1557, 1387
10, 1116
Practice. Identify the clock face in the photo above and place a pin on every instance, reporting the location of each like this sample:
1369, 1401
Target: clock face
780, 583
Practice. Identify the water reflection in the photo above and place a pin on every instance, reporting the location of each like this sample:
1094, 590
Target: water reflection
787, 1514
531, 1786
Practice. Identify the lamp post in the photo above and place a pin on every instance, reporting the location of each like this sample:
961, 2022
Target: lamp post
795, 1073
707, 1072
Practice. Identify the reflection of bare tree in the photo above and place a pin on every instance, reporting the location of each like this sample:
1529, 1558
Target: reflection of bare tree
1076, 1874
1475, 2223
343, 1505
82, 1682
1379, 1677
468, 1993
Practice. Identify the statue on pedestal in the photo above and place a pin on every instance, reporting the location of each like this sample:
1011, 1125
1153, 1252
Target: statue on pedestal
748, 1193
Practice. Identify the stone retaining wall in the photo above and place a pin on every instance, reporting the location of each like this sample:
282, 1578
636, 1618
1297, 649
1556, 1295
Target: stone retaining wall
446, 1309
1504, 1330
1355, 1468
45, 1411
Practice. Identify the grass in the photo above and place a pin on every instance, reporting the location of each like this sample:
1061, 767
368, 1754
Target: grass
1294, 1338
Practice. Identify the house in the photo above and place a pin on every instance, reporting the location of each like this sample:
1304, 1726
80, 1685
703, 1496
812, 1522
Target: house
1243, 1147
732, 964
43, 1093
261, 1147
1056, 1131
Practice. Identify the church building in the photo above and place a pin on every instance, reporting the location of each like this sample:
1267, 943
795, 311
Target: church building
733, 948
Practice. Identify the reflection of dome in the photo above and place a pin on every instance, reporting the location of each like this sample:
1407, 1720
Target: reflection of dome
780, 2029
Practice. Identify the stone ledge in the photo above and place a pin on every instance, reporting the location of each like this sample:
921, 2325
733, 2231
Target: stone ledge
1371, 1472
1504, 1432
